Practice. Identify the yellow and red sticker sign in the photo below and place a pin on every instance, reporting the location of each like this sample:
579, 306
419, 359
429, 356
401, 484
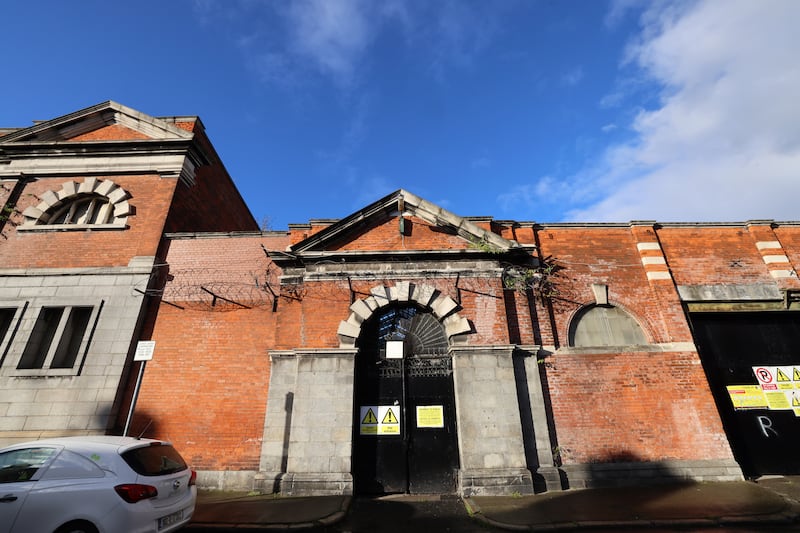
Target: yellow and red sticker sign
778, 389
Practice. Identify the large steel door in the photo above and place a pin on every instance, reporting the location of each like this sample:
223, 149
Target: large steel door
733, 346
404, 438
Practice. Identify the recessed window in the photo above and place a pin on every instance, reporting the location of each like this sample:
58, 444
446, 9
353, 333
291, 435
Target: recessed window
86, 210
56, 338
90, 204
6, 319
70, 342
605, 325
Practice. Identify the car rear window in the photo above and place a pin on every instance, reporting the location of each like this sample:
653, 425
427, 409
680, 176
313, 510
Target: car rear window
155, 460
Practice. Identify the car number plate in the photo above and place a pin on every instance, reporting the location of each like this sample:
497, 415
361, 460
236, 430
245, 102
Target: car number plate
170, 519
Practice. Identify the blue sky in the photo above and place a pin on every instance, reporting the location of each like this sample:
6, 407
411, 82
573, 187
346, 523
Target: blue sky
547, 111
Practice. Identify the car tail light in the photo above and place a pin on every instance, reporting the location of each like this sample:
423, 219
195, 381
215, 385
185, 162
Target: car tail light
193, 478
134, 492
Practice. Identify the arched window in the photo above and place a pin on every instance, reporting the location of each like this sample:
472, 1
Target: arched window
93, 209
604, 325
420, 330
92, 203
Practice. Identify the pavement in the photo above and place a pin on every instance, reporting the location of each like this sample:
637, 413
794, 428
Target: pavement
766, 503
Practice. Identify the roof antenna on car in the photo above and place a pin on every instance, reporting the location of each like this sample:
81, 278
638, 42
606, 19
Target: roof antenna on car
139, 436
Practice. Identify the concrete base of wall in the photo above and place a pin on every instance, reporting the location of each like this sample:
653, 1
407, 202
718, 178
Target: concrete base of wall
495, 482
234, 480
547, 478
316, 484
583, 476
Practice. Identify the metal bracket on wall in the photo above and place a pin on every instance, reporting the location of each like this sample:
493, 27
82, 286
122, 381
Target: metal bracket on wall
352, 292
791, 298
216, 297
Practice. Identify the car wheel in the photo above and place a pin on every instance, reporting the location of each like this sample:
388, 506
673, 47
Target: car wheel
79, 526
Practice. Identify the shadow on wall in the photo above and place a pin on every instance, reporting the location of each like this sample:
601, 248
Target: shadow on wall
144, 426
622, 469
530, 438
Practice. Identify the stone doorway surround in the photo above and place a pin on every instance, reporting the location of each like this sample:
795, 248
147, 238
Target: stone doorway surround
307, 443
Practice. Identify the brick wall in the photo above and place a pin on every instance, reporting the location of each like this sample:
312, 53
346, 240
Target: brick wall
213, 203
647, 403
113, 132
150, 195
633, 406
206, 387
789, 237
418, 235
607, 256
703, 255
627, 405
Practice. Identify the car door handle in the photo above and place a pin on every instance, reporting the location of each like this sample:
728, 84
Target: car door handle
8, 498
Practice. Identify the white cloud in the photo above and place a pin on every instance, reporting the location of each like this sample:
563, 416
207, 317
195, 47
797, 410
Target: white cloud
460, 31
572, 77
618, 9
334, 38
480, 163
333, 35
353, 136
723, 142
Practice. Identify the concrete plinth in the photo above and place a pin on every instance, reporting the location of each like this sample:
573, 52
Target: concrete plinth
495, 482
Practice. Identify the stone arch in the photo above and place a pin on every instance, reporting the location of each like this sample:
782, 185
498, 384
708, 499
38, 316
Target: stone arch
443, 308
71, 191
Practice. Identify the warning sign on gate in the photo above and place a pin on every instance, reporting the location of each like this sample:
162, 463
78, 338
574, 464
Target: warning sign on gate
379, 420
783, 376
390, 423
430, 416
370, 417
369, 422
389, 417
747, 397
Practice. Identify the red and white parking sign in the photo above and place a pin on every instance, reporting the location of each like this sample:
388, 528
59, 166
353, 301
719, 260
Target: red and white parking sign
766, 377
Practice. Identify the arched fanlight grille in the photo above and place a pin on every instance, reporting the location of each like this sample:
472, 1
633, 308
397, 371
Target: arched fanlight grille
92, 209
421, 331
423, 336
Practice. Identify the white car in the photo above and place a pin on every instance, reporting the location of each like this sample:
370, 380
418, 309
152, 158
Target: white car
99, 484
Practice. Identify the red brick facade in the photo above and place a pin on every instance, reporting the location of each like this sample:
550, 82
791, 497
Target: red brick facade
225, 301
608, 405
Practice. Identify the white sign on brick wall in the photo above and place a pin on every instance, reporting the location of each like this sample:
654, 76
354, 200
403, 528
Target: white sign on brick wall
144, 350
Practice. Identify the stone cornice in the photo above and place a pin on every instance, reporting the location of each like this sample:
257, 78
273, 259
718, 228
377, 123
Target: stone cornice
168, 158
94, 117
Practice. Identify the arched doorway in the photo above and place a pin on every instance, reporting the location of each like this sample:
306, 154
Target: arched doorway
404, 436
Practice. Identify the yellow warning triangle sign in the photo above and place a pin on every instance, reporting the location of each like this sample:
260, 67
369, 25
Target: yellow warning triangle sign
796, 374
795, 401
389, 418
370, 418
782, 376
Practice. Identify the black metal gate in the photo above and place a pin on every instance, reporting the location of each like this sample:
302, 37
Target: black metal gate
733, 346
404, 438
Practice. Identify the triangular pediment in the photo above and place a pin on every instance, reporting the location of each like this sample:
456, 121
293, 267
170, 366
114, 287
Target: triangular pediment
353, 232
114, 120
